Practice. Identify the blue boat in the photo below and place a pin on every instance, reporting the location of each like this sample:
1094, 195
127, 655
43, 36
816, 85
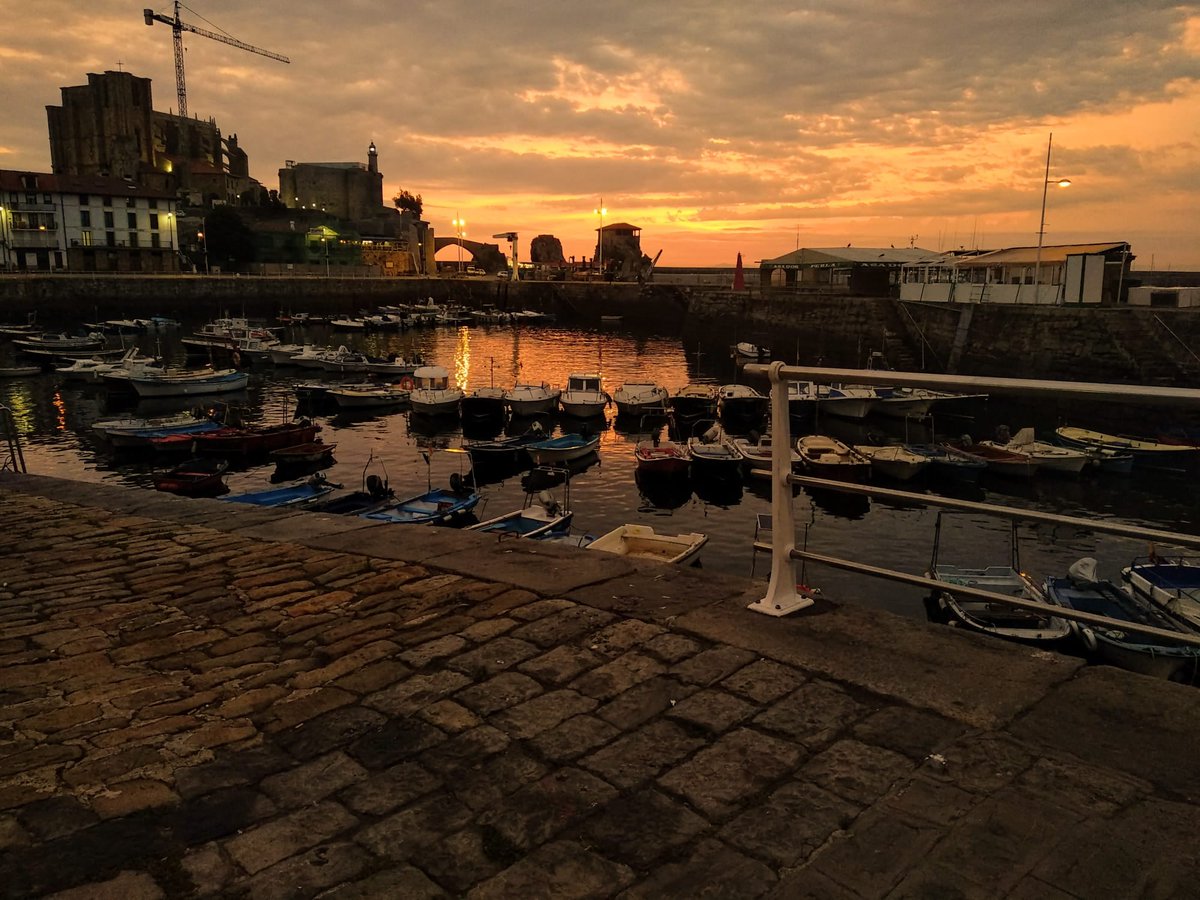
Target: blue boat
533, 520
288, 495
556, 451
437, 506
1157, 657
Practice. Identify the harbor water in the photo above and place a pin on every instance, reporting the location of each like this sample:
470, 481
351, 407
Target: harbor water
55, 418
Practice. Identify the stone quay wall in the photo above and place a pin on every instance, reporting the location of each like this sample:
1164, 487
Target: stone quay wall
1120, 344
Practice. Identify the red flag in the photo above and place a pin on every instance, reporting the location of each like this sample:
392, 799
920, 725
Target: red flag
739, 279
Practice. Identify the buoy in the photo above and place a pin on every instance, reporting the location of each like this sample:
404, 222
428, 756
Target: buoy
406, 382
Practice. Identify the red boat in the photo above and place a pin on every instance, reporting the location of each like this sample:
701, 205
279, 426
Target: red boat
661, 457
313, 452
194, 478
256, 439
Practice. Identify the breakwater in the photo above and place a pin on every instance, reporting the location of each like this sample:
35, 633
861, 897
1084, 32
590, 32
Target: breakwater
1119, 344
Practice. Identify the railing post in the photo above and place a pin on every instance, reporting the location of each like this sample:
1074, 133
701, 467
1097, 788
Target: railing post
782, 595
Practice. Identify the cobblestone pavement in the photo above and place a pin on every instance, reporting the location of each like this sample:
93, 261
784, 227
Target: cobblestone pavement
197, 701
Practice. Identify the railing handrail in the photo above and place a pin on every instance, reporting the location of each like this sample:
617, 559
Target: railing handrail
12, 439
1182, 342
924, 340
784, 596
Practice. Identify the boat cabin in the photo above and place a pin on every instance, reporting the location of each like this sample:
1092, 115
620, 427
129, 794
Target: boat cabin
584, 381
432, 378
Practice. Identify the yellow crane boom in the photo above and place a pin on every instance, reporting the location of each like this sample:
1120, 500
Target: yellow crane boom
178, 26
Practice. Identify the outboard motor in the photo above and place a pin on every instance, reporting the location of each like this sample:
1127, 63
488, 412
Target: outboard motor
1083, 571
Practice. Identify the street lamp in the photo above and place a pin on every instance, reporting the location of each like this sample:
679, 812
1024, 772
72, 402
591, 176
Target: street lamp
325, 241
1062, 183
4, 235
600, 211
460, 231
204, 241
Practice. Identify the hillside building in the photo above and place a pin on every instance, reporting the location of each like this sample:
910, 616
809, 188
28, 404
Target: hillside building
109, 128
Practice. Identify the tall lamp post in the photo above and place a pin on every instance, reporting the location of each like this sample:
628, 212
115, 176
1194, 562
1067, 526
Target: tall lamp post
325, 241
1061, 182
600, 211
460, 231
4, 236
204, 241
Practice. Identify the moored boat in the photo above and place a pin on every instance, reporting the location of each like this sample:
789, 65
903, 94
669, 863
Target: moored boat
296, 494
194, 478
642, 542
531, 399
584, 396
714, 455
189, 384
826, 457
1146, 454
432, 394
255, 439
540, 515
484, 404
1157, 657
946, 462
640, 399
303, 454
1049, 457
563, 449
694, 401
894, 461
661, 457
846, 402
757, 454
436, 506
367, 396
742, 409
1171, 582
998, 461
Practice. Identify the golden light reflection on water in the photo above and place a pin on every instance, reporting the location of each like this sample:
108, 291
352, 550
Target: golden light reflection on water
60, 409
19, 399
462, 357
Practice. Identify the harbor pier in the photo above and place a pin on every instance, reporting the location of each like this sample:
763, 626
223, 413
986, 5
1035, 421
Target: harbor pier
200, 700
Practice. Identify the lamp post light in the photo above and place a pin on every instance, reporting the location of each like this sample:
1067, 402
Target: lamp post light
600, 211
4, 236
204, 241
325, 241
1062, 183
460, 231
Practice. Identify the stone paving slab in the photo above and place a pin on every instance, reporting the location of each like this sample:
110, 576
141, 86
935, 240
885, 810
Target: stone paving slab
200, 702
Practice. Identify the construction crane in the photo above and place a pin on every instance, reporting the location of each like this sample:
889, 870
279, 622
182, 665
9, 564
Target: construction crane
511, 237
178, 27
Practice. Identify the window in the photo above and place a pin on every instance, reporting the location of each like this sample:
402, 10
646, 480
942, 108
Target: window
153, 203
108, 201
85, 238
85, 218
131, 220
110, 238
83, 200
130, 202
47, 199
154, 221
31, 199
108, 218
154, 241
133, 239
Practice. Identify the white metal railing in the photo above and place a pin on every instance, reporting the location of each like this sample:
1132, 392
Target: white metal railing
783, 595
12, 456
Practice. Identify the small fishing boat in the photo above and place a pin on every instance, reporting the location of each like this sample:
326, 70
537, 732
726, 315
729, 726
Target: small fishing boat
189, 384
252, 439
584, 397
714, 455
1171, 582
194, 478
183, 435
436, 506
640, 399
540, 514
295, 494
1146, 454
485, 404
757, 454
992, 617
432, 394
531, 399
894, 461
1157, 657
505, 452
374, 496
559, 450
55, 343
826, 457
998, 461
303, 454
366, 396
946, 462
694, 401
746, 351
741, 409
661, 457
642, 542
19, 371
1049, 457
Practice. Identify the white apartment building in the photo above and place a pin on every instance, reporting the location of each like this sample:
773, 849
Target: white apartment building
85, 223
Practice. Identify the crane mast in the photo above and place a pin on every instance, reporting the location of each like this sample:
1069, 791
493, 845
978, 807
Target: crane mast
178, 27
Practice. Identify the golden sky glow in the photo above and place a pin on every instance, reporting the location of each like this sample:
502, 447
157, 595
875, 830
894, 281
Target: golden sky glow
716, 128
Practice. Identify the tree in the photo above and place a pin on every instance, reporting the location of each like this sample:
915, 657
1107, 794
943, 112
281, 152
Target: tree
406, 201
229, 240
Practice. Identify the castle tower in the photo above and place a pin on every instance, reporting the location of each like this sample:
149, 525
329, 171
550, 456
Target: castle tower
372, 159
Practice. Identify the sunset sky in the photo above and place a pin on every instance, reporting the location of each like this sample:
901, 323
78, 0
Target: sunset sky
716, 128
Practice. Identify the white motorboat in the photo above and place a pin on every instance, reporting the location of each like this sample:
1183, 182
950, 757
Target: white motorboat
643, 542
94, 367
894, 461
531, 399
1173, 582
640, 399
905, 403
432, 394
584, 397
